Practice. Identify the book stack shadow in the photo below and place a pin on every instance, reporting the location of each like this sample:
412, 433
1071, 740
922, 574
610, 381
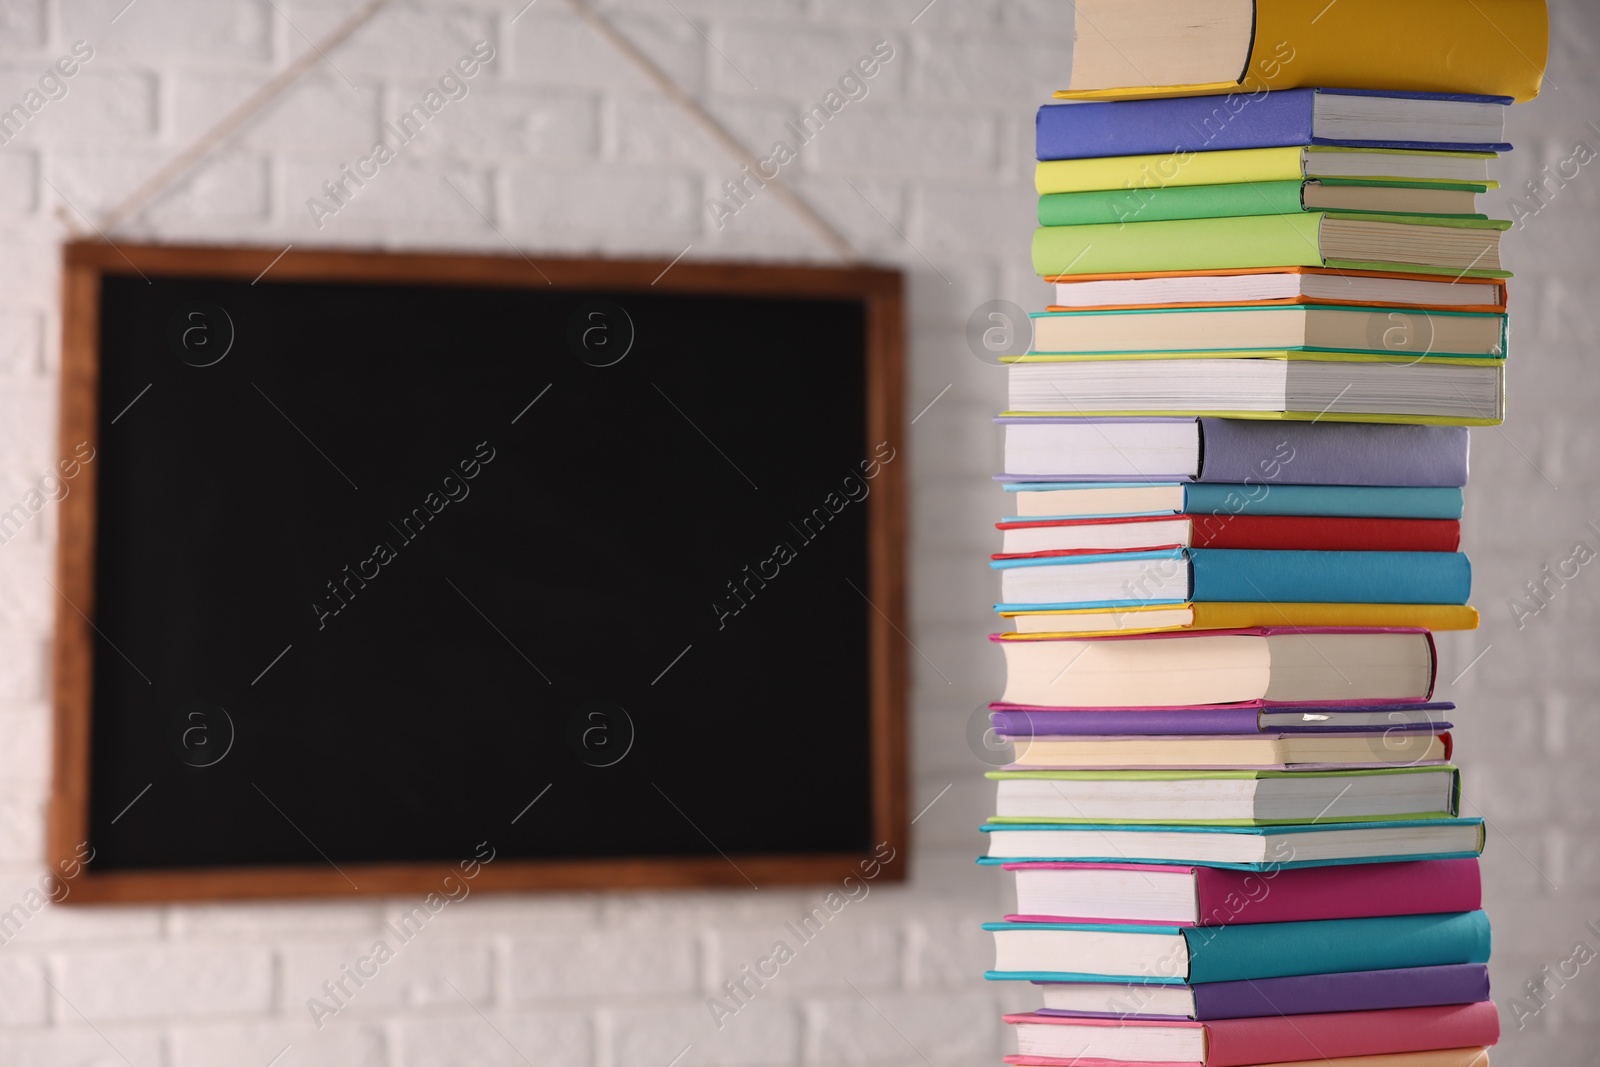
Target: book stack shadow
1235, 458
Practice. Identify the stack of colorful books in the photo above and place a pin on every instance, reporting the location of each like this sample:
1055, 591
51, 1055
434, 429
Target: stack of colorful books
1236, 451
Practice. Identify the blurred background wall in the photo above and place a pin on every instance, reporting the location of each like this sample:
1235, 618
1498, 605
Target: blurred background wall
560, 146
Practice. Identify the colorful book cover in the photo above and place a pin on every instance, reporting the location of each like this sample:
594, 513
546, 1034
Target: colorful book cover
1260, 532
1277, 950
1401, 987
1036, 841
1246, 166
1494, 287
1355, 891
1194, 783
1270, 120
1274, 1039
1488, 47
1115, 206
1256, 497
1148, 619
1213, 244
1251, 576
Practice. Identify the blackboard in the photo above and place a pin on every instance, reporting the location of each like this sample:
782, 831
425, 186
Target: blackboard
375, 563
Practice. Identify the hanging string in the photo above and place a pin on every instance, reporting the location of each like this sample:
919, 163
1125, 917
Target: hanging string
175, 168
180, 164
719, 133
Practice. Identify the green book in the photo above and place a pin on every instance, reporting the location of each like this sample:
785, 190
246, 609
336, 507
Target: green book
1118, 206
1417, 244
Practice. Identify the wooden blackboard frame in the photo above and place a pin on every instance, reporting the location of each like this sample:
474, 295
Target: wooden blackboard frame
86, 263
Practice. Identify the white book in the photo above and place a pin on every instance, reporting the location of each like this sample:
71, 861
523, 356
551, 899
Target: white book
1218, 796
1219, 668
1460, 393
1221, 289
1390, 331
1239, 846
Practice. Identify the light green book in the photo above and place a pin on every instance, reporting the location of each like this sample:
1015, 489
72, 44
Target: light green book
1416, 244
1258, 198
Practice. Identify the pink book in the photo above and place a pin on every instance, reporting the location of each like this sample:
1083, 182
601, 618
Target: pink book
1182, 895
1057, 1041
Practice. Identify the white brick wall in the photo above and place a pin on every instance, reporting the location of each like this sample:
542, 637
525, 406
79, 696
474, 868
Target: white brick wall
566, 149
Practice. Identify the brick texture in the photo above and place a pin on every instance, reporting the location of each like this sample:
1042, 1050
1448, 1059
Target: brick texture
560, 146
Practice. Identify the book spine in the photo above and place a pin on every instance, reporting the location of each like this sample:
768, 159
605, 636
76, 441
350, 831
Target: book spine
1117, 206
1238, 450
1258, 498
1279, 950
1250, 576
1191, 124
1405, 987
1324, 534
1280, 1039
1182, 244
1352, 892
1167, 169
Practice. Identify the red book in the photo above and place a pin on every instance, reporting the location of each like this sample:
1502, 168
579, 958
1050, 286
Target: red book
1060, 1041
1070, 537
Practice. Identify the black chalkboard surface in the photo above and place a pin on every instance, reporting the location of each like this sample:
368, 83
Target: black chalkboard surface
387, 557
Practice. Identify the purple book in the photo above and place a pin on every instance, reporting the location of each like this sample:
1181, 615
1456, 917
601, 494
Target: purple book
1218, 719
1406, 987
1256, 452
1214, 123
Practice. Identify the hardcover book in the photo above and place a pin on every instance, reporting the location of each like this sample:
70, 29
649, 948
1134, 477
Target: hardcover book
1263, 456
1402, 987
1276, 665
1060, 1042
1225, 797
1355, 196
1209, 896
1225, 574
1021, 723
1413, 244
1050, 624
1346, 117
1173, 955
1126, 48
1083, 498
1253, 848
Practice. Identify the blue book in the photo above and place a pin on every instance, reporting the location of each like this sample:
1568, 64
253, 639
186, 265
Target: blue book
1103, 500
1180, 955
1226, 575
1341, 117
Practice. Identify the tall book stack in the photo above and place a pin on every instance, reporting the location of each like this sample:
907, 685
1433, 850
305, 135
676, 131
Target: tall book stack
1235, 457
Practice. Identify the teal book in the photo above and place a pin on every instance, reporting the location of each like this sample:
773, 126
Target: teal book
1173, 955
1226, 575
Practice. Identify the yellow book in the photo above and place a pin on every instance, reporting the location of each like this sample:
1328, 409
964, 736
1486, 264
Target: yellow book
1161, 618
1128, 49
1254, 166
